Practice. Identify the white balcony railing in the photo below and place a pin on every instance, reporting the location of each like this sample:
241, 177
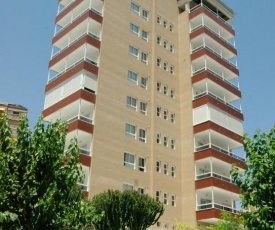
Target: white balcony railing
214, 52
212, 31
197, 96
215, 175
217, 206
85, 152
86, 10
82, 118
211, 11
74, 41
196, 72
219, 149
84, 187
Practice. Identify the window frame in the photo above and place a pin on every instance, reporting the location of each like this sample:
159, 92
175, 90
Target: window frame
144, 37
131, 49
142, 135
173, 116
164, 23
130, 76
142, 80
172, 69
158, 138
159, 40
129, 133
129, 101
132, 25
165, 141
134, 6
165, 114
142, 164
158, 194
165, 169
165, 44
146, 17
128, 186
159, 86
173, 171
143, 105
165, 198
158, 19
173, 201
158, 111
158, 62
173, 144
144, 57
127, 162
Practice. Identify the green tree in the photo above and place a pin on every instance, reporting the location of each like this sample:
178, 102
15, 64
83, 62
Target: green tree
126, 210
258, 181
38, 181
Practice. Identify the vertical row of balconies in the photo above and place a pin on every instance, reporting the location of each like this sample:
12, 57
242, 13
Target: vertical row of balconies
217, 114
73, 69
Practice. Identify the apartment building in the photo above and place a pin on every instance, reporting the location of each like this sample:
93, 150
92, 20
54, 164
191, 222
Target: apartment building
150, 89
13, 112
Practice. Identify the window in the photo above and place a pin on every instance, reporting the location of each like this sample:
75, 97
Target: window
142, 135
134, 7
165, 66
173, 171
158, 86
165, 169
158, 166
173, 144
165, 44
145, 14
165, 90
165, 141
172, 117
158, 111
128, 187
134, 28
133, 51
164, 23
141, 164
132, 102
145, 35
130, 130
141, 190
166, 226
171, 48
159, 19
144, 57
158, 62
132, 76
171, 27
171, 69
165, 198
129, 160
165, 114
158, 40
143, 82
173, 200
172, 93
158, 138
157, 195
143, 107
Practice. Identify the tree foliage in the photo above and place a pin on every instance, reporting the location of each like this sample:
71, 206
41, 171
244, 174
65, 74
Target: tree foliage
258, 181
38, 181
126, 210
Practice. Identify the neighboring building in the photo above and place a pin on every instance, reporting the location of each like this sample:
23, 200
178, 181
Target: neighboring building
13, 112
150, 88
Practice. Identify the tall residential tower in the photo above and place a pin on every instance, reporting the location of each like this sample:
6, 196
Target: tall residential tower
150, 89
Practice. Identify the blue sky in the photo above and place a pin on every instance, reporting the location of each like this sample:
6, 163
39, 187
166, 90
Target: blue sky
25, 45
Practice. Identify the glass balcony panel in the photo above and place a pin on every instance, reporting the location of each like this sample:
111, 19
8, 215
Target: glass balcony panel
65, 3
82, 80
209, 113
85, 183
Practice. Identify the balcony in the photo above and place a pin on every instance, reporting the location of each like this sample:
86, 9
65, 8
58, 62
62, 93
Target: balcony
213, 143
211, 201
80, 81
87, 27
85, 52
64, 20
201, 15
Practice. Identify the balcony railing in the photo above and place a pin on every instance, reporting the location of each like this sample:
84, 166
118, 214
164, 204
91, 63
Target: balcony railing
214, 52
82, 118
84, 187
65, 7
74, 41
84, 152
217, 98
64, 27
93, 62
215, 74
212, 31
216, 175
211, 11
219, 149
217, 206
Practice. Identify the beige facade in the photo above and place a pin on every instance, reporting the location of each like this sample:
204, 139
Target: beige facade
124, 75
